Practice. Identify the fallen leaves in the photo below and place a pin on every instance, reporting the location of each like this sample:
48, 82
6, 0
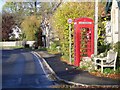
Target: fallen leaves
99, 74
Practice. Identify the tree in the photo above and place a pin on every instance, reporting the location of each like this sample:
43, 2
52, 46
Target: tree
71, 10
30, 26
8, 22
19, 9
23, 11
62, 14
28, 15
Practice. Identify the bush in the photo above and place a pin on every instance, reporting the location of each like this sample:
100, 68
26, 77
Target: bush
87, 64
117, 48
117, 70
35, 45
54, 46
103, 48
27, 46
108, 71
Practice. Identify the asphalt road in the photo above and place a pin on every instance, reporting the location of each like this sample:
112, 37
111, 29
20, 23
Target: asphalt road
22, 69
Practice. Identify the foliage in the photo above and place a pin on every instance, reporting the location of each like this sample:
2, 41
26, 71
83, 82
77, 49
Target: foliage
60, 17
117, 48
20, 8
108, 71
23, 10
30, 26
111, 71
102, 45
117, 70
9, 7
16, 9
101, 31
42, 49
54, 47
27, 16
87, 64
102, 19
8, 22
103, 48
45, 8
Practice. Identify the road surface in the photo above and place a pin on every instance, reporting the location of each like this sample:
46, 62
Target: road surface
22, 69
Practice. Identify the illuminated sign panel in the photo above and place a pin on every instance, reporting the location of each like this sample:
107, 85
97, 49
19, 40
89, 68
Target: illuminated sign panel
85, 22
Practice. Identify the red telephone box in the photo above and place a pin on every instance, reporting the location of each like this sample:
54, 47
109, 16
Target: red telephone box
83, 39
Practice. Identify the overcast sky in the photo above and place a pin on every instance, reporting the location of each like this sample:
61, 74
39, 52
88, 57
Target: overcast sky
2, 2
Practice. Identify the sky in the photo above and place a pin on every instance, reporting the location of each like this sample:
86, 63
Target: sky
2, 2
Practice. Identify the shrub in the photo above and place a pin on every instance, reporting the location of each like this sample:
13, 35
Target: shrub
108, 71
87, 64
103, 48
117, 70
54, 47
117, 48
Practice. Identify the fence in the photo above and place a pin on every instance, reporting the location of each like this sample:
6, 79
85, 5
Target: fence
16, 43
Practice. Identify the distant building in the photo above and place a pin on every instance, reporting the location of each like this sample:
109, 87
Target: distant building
16, 32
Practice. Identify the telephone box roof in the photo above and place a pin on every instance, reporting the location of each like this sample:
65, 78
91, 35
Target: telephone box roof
84, 19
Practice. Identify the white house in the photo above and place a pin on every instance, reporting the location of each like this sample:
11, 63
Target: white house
16, 31
115, 20
113, 26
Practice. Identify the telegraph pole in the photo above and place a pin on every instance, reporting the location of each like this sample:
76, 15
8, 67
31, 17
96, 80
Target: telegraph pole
96, 27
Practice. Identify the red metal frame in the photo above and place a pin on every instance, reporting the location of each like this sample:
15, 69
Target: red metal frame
79, 24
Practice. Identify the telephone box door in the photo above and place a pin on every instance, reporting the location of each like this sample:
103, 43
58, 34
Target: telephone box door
83, 39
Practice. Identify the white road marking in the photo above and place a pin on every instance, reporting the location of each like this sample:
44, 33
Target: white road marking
40, 64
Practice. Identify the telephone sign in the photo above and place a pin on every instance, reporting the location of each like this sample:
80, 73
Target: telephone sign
85, 22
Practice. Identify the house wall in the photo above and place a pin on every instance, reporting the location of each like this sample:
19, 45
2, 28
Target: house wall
108, 32
115, 22
119, 25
